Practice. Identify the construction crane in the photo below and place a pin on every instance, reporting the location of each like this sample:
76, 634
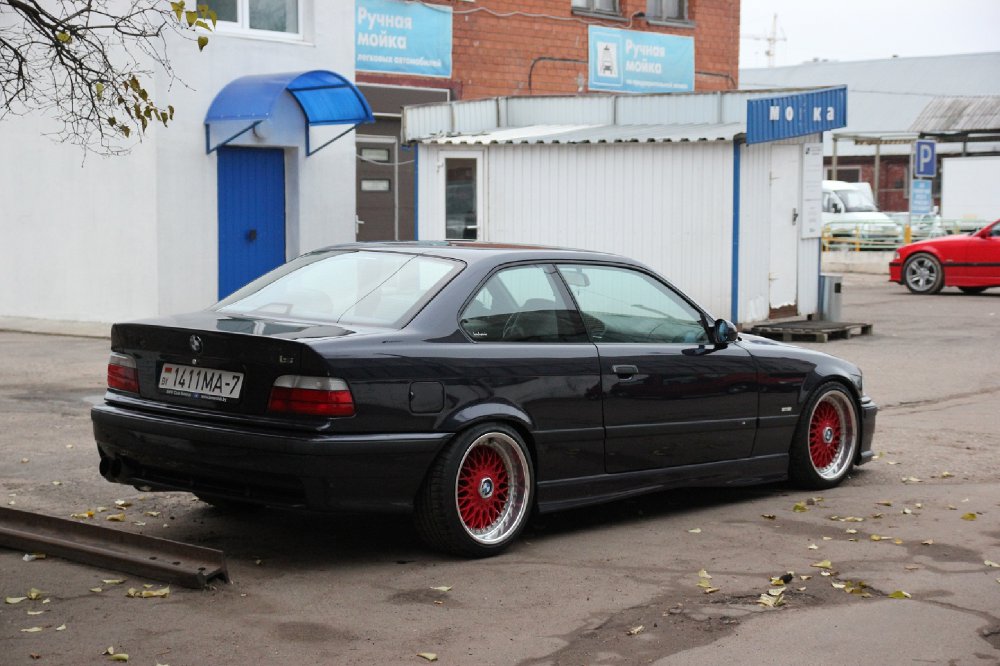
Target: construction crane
772, 38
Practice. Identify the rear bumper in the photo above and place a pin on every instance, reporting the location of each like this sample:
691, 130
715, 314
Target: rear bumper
869, 410
297, 469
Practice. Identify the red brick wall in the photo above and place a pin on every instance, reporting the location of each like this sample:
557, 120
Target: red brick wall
521, 55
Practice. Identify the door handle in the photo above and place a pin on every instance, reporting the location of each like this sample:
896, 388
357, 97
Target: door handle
625, 371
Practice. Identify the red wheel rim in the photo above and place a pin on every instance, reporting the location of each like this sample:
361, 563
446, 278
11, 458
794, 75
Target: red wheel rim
483, 488
825, 435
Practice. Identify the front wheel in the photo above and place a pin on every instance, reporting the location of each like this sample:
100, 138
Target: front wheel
826, 440
922, 274
477, 497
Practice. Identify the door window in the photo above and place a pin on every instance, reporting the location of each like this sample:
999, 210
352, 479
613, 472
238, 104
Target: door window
625, 305
460, 208
522, 304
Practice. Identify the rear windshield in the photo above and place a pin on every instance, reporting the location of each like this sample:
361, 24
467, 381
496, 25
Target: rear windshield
350, 287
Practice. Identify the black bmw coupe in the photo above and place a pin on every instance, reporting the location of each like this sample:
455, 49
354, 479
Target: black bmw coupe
469, 384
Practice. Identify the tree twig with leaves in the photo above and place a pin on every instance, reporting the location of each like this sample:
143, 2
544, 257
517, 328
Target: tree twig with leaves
86, 64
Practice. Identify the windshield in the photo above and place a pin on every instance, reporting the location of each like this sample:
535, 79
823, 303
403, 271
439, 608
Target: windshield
352, 287
856, 201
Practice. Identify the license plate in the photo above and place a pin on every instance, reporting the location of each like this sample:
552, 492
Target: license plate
204, 383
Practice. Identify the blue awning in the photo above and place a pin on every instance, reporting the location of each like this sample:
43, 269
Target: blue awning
326, 98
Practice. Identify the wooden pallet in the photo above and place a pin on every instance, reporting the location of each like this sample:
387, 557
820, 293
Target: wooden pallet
812, 331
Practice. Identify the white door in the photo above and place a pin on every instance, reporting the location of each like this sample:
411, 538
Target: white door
784, 217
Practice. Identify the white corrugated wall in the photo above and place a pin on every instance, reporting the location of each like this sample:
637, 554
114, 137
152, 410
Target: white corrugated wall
668, 205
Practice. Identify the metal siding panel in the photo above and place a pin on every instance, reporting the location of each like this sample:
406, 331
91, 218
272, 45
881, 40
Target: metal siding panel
524, 111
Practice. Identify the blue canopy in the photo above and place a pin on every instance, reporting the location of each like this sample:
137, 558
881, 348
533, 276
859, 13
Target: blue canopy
326, 98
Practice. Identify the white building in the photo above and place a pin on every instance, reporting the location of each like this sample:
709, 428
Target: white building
94, 238
720, 192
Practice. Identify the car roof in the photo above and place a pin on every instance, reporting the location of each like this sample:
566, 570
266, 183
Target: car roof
475, 252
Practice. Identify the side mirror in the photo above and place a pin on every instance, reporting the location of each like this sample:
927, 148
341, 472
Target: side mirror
837, 208
724, 332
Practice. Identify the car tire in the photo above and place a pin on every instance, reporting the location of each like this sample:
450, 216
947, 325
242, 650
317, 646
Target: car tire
827, 438
972, 290
922, 274
478, 495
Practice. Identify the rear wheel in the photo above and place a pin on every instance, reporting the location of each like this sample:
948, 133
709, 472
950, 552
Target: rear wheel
826, 440
477, 497
922, 274
972, 290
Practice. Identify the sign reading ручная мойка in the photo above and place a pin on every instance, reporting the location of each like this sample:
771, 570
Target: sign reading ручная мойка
631, 61
796, 114
402, 38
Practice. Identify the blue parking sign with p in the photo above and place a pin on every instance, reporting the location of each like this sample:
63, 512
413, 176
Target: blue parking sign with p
925, 159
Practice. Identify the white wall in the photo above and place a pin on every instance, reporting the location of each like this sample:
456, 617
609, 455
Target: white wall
969, 188
667, 205
135, 236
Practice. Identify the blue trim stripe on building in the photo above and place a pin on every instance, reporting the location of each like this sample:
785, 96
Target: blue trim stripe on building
797, 114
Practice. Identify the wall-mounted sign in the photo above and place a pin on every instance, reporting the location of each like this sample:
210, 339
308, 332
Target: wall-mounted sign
798, 114
631, 61
924, 159
402, 38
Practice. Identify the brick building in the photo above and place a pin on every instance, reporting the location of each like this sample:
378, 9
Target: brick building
514, 48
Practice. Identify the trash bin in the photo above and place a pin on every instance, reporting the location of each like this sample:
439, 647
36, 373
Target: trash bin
830, 296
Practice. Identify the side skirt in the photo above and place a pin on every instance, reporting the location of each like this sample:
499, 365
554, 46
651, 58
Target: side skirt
584, 491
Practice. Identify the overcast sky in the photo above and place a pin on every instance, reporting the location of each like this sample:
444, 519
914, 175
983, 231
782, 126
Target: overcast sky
866, 29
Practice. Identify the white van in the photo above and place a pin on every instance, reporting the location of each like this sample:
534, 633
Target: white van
849, 212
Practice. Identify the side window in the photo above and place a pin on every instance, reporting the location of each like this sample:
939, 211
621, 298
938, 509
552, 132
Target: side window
625, 305
522, 304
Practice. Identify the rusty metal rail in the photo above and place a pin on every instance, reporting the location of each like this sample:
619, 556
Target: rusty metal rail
150, 557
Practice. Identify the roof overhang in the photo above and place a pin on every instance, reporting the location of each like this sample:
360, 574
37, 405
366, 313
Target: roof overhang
596, 134
325, 98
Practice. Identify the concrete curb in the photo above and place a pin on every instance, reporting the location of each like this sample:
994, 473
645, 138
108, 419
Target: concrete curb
78, 329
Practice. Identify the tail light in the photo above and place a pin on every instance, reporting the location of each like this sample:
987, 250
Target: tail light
122, 374
314, 396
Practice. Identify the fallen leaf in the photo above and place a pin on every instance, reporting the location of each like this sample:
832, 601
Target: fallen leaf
912, 567
703, 574
442, 588
827, 538
703, 582
31, 630
805, 577
429, 656
884, 503
153, 514
119, 656
899, 594
139, 523
825, 573
825, 564
910, 479
876, 516
839, 586
96, 589
776, 591
31, 557
771, 602
853, 519
907, 511
83, 514
696, 530
929, 542
24, 460
61, 627
110, 650
113, 581
991, 563
35, 612
799, 507
35, 594
875, 537
710, 590
968, 516
851, 531
891, 462
813, 546
57, 483
946, 475
147, 594
635, 630
768, 516
919, 505
898, 541
116, 517
123, 503
14, 600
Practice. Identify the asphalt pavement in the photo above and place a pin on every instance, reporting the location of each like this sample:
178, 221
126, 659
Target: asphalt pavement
897, 565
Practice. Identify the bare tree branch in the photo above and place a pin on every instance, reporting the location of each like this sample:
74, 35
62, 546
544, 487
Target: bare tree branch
85, 63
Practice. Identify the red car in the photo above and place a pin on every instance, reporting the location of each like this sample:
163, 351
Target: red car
971, 263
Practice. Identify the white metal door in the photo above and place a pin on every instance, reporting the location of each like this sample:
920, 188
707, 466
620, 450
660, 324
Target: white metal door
784, 217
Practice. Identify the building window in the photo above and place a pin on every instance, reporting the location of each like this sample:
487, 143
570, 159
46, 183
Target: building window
596, 6
266, 16
847, 174
460, 209
374, 185
375, 154
667, 10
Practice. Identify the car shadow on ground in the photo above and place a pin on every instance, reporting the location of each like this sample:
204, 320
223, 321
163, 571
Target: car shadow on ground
310, 540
